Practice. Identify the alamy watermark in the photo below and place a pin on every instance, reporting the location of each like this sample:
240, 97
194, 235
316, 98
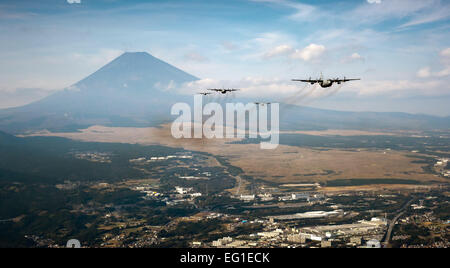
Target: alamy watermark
241, 120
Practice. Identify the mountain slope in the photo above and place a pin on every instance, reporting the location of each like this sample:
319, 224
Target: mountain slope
135, 89
135, 71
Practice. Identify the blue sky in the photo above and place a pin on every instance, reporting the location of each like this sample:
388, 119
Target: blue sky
400, 48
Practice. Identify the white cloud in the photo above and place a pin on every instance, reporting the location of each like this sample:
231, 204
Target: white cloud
284, 91
428, 16
74, 1
313, 51
301, 11
279, 51
266, 45
445, 56
355, 57
424, 72
249, 86
415, 11
269, 39
445, 52
397, 88
445, 72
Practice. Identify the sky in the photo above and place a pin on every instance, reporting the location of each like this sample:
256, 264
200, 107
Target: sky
399, 48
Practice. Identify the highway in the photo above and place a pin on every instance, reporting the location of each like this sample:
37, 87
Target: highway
400, 212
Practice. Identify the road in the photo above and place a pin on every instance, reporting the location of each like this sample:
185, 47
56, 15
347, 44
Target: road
400, 212
239, 184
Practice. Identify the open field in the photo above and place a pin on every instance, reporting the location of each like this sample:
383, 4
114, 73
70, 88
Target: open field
286, 164
377, 187
341, 132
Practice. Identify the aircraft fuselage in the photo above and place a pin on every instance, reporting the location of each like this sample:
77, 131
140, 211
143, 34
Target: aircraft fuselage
326, 83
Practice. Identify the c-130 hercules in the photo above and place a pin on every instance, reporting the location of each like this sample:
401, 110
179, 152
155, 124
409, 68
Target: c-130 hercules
324, 82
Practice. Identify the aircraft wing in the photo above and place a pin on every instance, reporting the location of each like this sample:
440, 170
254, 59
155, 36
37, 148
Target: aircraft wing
344, 80
307, 81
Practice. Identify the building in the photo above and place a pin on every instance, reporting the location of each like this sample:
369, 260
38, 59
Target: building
196, 195
222, 242
265, 197
351, 231
296, 238
325, 244
236, 244
310, 215
373, 244
271, 234
313, 237
182, 190
247, 197
316, 198
356, 240
300, 196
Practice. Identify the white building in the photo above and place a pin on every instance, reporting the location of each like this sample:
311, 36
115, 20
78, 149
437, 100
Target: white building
221, 242
373, 244
300, 196
265, 197
182, 190
247, 197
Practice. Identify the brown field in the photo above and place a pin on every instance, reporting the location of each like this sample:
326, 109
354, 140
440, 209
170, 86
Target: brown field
286, 164
341, 132
378, 187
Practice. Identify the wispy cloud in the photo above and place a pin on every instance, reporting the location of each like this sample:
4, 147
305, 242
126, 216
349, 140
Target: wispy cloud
355, 57
301, 11
415, 12
426, 72
308, 53
281, 50
442, 12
